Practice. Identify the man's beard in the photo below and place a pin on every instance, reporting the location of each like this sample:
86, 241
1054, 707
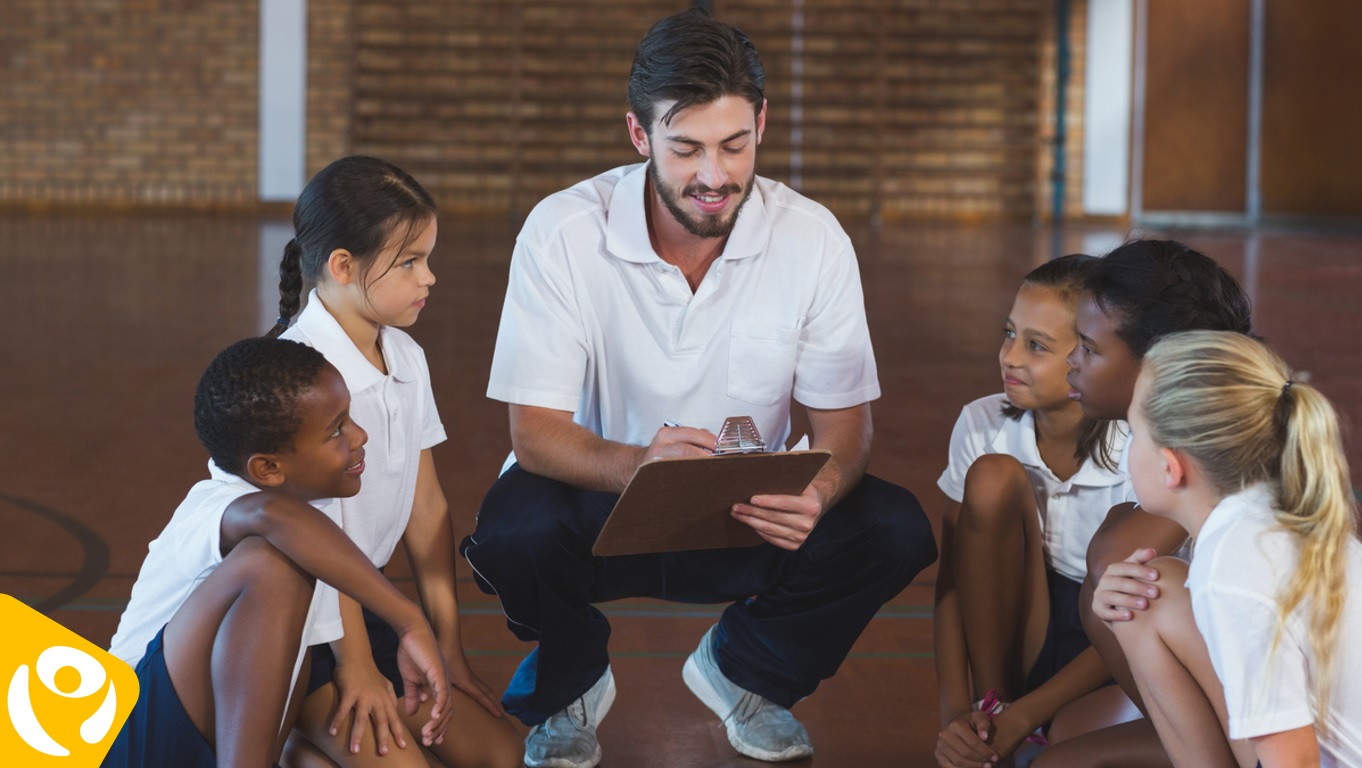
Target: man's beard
699, 224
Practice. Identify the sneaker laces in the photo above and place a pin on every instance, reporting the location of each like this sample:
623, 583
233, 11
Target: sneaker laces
576, 712
747, 706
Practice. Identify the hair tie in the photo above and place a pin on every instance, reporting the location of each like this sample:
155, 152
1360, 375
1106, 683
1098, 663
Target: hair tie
281, 320
1286, 388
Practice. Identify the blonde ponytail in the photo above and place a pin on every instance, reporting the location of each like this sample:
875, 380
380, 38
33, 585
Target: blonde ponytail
1229, 402
1317, 504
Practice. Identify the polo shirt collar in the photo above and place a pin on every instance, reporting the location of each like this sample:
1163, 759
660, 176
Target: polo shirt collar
223, 476
626, 226
328, 337
1018, 438
1253, 498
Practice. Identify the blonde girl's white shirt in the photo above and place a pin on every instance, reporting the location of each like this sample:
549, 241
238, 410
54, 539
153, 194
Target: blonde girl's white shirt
596, 324
187, 550
1070, 510
396, 409
1241, 562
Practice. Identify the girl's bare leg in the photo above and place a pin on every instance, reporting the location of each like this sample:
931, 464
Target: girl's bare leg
1172, 668
1000, 574
232, 678
1125, 530
318, 709
301, 753
1132, 744
1105, 707
475, 738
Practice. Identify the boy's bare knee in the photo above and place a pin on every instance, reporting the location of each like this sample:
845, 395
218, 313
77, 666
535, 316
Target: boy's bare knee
261, 563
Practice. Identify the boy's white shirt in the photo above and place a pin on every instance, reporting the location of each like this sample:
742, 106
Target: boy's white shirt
187, 550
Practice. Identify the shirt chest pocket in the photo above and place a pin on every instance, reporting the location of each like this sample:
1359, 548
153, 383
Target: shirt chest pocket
761, 364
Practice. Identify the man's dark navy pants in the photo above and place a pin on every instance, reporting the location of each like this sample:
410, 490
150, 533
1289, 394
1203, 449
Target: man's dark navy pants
794, 615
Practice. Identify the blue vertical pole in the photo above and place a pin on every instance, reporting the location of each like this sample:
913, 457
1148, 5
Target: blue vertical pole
1061, 83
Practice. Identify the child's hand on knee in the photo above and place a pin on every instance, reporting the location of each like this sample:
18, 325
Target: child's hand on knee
461, 676
425, 677
368, 696
1126, 587
963, 743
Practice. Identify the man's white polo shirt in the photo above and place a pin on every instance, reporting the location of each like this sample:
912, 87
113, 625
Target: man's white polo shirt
597, 324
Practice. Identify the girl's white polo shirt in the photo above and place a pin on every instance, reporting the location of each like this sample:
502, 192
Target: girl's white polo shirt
1070, 510
1243, 559
398, 411
595, 323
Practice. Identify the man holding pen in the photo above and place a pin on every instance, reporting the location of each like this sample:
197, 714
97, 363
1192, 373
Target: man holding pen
689, 289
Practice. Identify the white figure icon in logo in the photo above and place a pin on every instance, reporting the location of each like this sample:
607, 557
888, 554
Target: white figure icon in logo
92, 677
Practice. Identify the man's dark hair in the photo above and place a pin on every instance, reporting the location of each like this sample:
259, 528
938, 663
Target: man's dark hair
1156, 287
247, 400
692, 59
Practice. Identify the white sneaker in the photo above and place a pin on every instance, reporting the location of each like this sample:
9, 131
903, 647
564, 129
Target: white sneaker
568, 739
756, 726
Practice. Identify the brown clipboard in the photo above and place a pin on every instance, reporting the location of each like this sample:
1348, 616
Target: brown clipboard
672, 505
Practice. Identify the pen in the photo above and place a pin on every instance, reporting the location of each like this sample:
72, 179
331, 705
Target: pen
670, 423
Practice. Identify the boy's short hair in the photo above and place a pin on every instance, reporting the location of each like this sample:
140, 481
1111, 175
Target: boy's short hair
691, 58
247, 400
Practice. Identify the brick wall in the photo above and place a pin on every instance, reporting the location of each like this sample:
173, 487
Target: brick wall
911, 108
494, 104
330, 80
128, 102
917, 108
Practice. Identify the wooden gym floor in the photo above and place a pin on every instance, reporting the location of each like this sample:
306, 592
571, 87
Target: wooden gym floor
109, 320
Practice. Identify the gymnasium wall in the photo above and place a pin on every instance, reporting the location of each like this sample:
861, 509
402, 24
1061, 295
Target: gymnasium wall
129, 102
889, 108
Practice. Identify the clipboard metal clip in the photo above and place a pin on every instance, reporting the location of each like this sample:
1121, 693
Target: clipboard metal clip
739, 435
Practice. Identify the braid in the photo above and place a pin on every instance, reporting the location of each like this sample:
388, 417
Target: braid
290, 286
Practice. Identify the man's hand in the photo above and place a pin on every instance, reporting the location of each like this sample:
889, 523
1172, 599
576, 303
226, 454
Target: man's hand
1126, 587
785, 521
679, 442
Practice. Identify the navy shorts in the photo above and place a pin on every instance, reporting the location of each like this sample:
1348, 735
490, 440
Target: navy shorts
1064, 635
159, 731
383, 641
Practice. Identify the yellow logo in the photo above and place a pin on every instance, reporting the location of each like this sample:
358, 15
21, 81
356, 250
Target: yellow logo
65, 698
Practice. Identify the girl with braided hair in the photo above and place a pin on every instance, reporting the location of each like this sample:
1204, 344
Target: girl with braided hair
364, 234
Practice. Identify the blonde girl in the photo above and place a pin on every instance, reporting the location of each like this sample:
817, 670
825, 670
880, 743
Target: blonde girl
1248, 661
364, 234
